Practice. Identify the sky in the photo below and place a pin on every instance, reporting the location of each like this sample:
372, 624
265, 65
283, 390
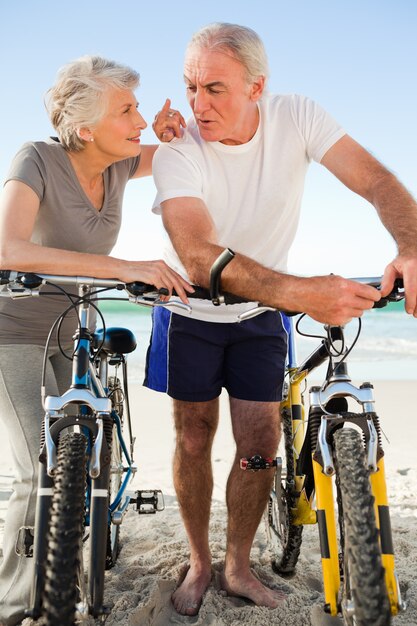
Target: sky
356, 58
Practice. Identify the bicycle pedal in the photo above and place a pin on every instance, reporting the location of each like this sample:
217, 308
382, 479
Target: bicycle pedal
257, 462
148, 501
24, 541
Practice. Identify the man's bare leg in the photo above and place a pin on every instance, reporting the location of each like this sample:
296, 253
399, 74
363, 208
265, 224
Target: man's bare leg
196, 424
256, 428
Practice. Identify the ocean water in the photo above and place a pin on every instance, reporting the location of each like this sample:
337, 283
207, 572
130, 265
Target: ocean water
386, 348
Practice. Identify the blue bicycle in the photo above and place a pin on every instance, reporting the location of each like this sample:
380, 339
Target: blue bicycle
85, 464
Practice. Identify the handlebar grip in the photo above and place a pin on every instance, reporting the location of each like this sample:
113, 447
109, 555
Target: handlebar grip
141, 289
30, 280
205, 294
202, 293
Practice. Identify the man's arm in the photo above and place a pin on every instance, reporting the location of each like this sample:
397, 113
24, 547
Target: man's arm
329, 299
363, 174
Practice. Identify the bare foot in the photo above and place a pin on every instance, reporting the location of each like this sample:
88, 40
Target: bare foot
188, 596
247, 585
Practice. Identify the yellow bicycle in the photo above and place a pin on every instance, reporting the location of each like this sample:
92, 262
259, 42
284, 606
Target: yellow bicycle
332, 473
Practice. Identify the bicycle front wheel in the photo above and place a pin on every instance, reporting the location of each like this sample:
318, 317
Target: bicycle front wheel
64, 561
364, 595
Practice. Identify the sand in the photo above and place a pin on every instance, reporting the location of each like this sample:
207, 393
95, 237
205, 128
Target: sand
154, 547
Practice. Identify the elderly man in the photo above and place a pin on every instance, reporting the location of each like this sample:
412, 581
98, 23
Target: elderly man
234, 178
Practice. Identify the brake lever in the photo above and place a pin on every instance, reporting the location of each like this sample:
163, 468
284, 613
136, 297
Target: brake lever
154, 302
247, 315
16, 290
396, 295
172, 304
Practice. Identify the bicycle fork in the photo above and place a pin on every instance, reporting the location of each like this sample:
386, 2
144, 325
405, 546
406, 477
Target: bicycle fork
43, 505
379, 490
323, 469
328, 539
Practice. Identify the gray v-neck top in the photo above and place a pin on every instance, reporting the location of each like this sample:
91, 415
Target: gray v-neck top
66, 220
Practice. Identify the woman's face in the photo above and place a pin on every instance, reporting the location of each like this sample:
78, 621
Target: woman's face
117, 134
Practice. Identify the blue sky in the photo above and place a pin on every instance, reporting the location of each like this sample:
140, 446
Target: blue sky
357, 58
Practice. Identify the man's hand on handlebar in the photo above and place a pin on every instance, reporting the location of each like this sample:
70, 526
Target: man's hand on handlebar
405, 267
335, 300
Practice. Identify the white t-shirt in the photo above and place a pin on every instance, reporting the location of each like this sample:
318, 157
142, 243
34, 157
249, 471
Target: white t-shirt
253, 191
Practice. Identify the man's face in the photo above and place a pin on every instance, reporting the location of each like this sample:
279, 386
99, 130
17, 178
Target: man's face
222, 100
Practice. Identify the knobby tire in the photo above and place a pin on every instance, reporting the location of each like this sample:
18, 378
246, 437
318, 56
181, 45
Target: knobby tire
113, 535
65, 532
286, 538
363, 574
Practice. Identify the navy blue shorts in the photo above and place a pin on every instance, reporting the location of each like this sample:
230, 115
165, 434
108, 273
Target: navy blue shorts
192, 360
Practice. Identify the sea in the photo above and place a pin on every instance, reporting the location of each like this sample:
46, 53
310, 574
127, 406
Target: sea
386, 348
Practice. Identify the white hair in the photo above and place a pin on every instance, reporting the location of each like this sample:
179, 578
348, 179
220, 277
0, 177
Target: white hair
78, 98
240, 41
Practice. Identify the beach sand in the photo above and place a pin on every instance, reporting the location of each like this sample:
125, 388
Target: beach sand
154, 547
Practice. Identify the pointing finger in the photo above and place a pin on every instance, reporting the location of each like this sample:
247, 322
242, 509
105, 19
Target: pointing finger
166, 106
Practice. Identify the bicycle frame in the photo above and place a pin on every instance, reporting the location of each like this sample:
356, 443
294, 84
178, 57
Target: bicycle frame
319, 505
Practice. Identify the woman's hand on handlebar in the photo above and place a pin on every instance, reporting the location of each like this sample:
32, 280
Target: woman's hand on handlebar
156, 273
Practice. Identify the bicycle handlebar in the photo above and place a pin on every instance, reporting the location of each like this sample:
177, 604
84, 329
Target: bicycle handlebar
31, 280
228, 255
148, 294
23, 284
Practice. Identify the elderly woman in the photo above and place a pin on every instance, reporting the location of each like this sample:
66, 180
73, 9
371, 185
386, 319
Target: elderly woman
60, 213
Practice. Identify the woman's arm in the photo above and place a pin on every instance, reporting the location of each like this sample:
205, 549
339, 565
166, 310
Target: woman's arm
19, 206
145, 163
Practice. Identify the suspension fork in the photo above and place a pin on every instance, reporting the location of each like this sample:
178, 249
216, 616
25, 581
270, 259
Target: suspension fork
326, 515
379, 490
328, 538
98, 538
43, 505
99, 512
382, 516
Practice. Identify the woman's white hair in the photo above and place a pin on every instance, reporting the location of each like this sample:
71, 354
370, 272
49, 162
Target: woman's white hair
240, 41
78, 98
